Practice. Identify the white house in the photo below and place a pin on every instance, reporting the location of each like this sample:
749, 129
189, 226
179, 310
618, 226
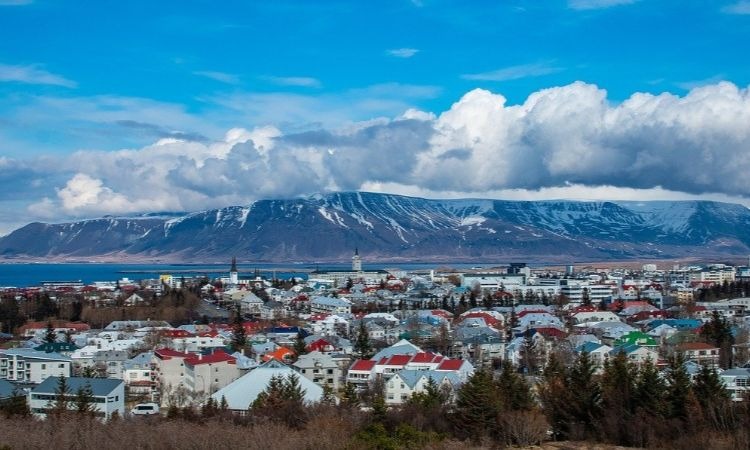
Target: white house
406, 383
240, 394
30, 366
737, 382
321, 369
330, 305
206, 374
108, 395
251, 304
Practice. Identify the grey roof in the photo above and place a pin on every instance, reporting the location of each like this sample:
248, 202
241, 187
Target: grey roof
6, 388
242, 392
402, 347
100, 387
28, 353
412, 377
736, 372
310, 360
141, 361
331, 301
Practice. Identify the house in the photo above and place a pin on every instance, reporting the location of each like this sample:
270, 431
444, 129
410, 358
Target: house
737, 382
595, 316
361, 372
241, 393
25, 365
205, 374
635, 353
321, 369
272, 310
406, 383
597, 352
108, 395
251, 304
138, 374
700, 352
330, 305
169, 370
134, 300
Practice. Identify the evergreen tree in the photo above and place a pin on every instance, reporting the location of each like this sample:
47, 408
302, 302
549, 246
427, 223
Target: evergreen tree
718, 332
84, 400
712, 396
239, 337
328, 399
554, 396
349, 396
679, 389
62, 392
16, 405
585, 398
513, 391
650, 390
477, 407
50, 336
209, 408
362, 346
618, 398
299, 345
223, 406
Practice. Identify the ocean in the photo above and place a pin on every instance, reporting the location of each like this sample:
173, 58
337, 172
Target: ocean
33, 274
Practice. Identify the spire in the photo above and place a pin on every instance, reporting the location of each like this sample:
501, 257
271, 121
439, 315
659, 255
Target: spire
234, 265
356, 251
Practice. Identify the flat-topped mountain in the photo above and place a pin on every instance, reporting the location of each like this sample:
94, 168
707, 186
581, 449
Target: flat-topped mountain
392, 227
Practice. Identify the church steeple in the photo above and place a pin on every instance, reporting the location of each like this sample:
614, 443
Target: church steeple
233, 275
234, 264
356, 261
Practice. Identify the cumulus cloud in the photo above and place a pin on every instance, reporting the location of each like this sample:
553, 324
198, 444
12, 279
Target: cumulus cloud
33, 74
562, 142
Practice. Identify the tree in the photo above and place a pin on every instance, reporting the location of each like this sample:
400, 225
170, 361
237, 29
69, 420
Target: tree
477, 407
84, 399
679, 389
585, 398
650, 390
618, 405
350, 398
362, 346
712, 396
719, 333
50, 336
239, 338
62, 392
513, 391
299, 345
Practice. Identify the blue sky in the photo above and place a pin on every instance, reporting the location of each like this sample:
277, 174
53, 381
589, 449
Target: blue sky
107, 78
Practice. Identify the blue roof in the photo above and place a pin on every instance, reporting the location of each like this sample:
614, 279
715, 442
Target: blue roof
99, 386
6, 389
588, 347
680, 324
627, 349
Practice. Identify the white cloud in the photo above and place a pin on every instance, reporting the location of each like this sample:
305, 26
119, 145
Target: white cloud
562, 142
514, 72
597, 4
33, 74
294, 81
222, 77
741, 7
403, 52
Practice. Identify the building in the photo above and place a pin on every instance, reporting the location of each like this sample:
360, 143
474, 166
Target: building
700, 352
205, 374
234, 278
108, 395
25, 365
168, 371
406, 383
330, 305
321, 369
356, 261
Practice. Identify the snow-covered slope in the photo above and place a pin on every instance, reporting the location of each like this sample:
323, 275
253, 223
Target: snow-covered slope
328, 227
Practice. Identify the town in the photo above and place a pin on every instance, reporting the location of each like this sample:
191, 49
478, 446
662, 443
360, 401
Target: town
381, 341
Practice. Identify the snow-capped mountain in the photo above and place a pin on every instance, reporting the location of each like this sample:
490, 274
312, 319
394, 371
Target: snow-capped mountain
382, 226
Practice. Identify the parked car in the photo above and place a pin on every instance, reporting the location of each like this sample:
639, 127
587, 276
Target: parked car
145, 409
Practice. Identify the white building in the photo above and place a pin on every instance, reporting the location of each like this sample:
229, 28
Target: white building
206, 374
406, 383
330, 305
30, 366
108, 395
321, 369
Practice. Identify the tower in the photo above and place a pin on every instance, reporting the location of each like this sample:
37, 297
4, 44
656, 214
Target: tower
356, 261
233, 275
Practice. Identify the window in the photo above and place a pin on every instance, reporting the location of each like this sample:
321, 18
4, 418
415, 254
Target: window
44, 366
61, 366
329, 371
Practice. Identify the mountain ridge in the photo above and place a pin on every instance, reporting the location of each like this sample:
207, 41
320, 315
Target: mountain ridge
327, 227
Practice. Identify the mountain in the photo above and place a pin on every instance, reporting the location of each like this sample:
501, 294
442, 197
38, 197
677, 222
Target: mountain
392, 227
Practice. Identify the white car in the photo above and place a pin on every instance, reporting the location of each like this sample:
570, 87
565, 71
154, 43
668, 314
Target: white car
145, 409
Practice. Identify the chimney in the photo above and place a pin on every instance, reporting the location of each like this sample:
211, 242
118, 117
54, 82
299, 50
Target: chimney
200, 356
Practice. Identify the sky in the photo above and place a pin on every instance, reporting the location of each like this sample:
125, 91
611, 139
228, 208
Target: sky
124, 108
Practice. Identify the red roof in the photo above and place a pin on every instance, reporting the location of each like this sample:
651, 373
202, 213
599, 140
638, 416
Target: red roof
688, 346
398, 360
362, 364
213, 358
551, 332
176, 333
423, 358
531, 311
451, 364
168, 353
441, 313
320, 345
488, 318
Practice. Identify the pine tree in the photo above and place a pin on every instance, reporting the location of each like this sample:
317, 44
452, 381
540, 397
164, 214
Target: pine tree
239, 338
585, 398
650, 390
84, 400
328, 399
712, 396
349, 396
679, 389
618, 403
50, 336
554, 396
719, 333
62, 391
299, 345
513, 391
477, 407
362, 346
